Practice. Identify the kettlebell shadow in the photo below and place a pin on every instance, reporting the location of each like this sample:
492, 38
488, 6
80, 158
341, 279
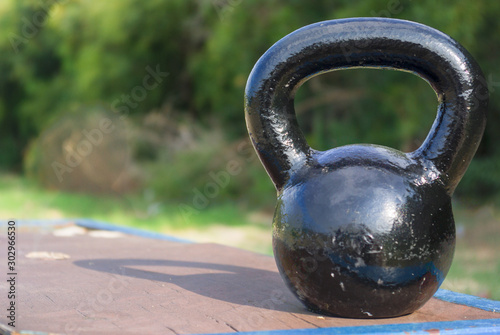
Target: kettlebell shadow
228, 283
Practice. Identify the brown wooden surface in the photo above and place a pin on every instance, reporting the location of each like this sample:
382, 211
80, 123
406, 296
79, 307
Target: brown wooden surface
127, 285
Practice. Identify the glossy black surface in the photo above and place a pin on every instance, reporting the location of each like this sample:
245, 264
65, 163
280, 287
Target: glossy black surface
364, 230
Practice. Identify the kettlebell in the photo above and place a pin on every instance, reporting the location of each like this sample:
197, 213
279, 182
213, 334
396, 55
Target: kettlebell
365, 231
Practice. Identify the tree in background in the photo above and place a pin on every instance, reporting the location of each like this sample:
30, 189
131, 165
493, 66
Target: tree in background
60, 57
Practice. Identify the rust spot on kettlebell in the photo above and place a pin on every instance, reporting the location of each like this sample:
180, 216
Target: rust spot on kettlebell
365, 231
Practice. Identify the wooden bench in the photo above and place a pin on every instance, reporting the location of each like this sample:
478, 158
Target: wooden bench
84, 277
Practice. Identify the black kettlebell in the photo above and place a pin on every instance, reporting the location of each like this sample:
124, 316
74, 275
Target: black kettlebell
363, 230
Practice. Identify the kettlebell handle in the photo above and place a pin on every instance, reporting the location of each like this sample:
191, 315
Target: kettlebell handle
366, 42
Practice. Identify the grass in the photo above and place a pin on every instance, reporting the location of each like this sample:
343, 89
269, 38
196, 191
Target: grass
225, 223
475, 269
476, 266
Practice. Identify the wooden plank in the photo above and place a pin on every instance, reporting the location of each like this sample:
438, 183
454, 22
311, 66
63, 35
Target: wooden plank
121, 284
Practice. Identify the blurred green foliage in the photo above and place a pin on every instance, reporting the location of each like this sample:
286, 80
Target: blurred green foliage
64, 55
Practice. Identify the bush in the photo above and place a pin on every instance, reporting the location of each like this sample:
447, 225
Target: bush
212, 171
481, 182
86, 150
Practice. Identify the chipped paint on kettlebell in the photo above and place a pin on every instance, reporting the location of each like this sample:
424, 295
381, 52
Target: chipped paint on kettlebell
380, 230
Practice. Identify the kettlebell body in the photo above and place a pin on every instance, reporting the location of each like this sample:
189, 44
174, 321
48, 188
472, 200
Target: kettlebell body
366, 233
364, 230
